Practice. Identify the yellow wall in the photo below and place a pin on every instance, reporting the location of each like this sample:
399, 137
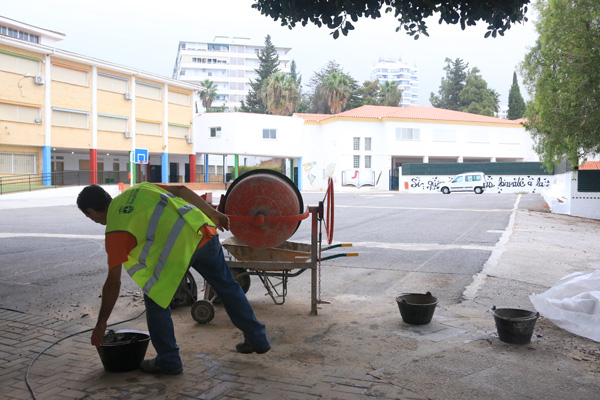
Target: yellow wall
19, 133
30, 137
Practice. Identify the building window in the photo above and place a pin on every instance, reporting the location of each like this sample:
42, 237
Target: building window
112, 123
215, 132
182, 99
148, 128
179, 131
408, 134
69, 74
70, 118
356, 143
367, 161
148, 91
368, 143
15, 163
112, 83
17, 34
356, 162
269, 133
19, 113
19, 64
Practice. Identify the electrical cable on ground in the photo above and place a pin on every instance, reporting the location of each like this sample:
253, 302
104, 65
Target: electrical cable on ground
60, 340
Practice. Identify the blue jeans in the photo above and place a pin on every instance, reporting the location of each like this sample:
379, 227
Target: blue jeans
209, 262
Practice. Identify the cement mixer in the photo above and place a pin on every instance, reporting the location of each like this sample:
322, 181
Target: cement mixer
265, 209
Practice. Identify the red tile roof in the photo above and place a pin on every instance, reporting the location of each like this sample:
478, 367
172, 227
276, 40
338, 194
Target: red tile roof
589, 165
411, 112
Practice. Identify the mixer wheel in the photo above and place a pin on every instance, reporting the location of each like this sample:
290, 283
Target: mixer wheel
203, 311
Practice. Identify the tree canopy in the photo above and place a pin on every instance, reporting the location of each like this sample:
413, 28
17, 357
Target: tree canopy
451, 86
516, 104
463, 90
269, 64
411, 14
562, 75
280, 94
319, 97
207, 93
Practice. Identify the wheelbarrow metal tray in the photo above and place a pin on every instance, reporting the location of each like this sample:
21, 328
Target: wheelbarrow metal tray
288, 251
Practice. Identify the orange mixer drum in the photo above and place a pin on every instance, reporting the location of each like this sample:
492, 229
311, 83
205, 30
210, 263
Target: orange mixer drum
264, 208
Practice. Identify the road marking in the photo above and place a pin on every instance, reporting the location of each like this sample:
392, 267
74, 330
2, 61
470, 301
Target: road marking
495, 231
427, 209
49, 235
479, 279
422, 246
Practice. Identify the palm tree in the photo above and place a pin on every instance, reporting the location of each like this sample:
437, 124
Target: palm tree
336, 87
208, 93
390, 94
280, 94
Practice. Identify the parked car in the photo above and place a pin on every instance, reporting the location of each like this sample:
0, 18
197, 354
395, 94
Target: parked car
467, 182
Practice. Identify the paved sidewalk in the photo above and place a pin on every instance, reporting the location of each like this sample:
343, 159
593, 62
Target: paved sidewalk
356, 348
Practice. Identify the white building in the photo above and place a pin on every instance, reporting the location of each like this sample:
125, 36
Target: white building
369, 142
230, 62
404, 75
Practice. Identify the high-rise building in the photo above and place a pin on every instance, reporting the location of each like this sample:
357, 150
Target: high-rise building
404, 75
229, 62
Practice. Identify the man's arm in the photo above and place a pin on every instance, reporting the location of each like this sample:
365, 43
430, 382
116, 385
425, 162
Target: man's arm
110, 294
221, 220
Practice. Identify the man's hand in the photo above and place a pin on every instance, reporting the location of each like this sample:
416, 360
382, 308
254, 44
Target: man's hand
110, 294
98, 334
220, 220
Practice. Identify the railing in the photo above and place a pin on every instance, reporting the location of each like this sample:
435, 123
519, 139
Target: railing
22, 183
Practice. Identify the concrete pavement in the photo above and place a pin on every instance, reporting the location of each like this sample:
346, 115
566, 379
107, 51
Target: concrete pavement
357, 347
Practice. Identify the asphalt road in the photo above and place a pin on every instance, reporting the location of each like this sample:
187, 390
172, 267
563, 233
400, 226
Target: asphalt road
52, 258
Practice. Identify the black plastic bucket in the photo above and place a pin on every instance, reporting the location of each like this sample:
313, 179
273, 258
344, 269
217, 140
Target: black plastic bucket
514, 325
123, 350
416, 308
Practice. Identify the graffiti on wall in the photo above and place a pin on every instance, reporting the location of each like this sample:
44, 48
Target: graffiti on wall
328, 172
307, 167
493, 183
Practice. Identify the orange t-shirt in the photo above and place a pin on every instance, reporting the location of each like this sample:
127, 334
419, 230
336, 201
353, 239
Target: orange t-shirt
119, 244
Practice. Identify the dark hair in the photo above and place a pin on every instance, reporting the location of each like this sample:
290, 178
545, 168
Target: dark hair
93, 197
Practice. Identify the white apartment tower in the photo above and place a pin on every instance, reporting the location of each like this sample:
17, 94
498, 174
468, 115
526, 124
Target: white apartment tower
398, 71
230, 62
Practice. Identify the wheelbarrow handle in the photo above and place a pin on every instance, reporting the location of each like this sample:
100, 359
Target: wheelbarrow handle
339, 255
262, 219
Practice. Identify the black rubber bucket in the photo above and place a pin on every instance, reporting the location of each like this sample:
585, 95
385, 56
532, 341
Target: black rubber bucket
416, 308
123, 350
514, 325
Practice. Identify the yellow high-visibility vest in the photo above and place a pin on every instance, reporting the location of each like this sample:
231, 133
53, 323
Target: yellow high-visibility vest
167, 233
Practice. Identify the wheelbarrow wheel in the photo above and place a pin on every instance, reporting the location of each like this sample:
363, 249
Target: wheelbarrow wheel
203, 311
244, 282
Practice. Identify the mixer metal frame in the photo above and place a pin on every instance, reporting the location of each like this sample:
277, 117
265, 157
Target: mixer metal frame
279, 262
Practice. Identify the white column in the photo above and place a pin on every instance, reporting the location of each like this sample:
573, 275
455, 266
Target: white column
166, 117
425, 159
47, 103
94, 107
460, 159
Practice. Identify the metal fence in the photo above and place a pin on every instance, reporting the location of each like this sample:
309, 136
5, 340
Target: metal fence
29, 182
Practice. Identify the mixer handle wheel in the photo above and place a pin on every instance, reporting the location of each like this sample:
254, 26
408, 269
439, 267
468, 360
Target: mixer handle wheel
328, 212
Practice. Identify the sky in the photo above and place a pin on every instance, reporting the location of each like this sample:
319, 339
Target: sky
145, 35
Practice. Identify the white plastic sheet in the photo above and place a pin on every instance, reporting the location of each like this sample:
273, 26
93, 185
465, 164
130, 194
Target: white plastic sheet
573, 304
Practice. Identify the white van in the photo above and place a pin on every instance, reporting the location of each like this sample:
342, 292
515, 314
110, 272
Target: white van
467, 182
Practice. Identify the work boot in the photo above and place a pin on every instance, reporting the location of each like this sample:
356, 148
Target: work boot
150, 367
246, 348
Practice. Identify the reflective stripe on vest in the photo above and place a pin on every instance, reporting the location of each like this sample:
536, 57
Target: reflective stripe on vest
176, 246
